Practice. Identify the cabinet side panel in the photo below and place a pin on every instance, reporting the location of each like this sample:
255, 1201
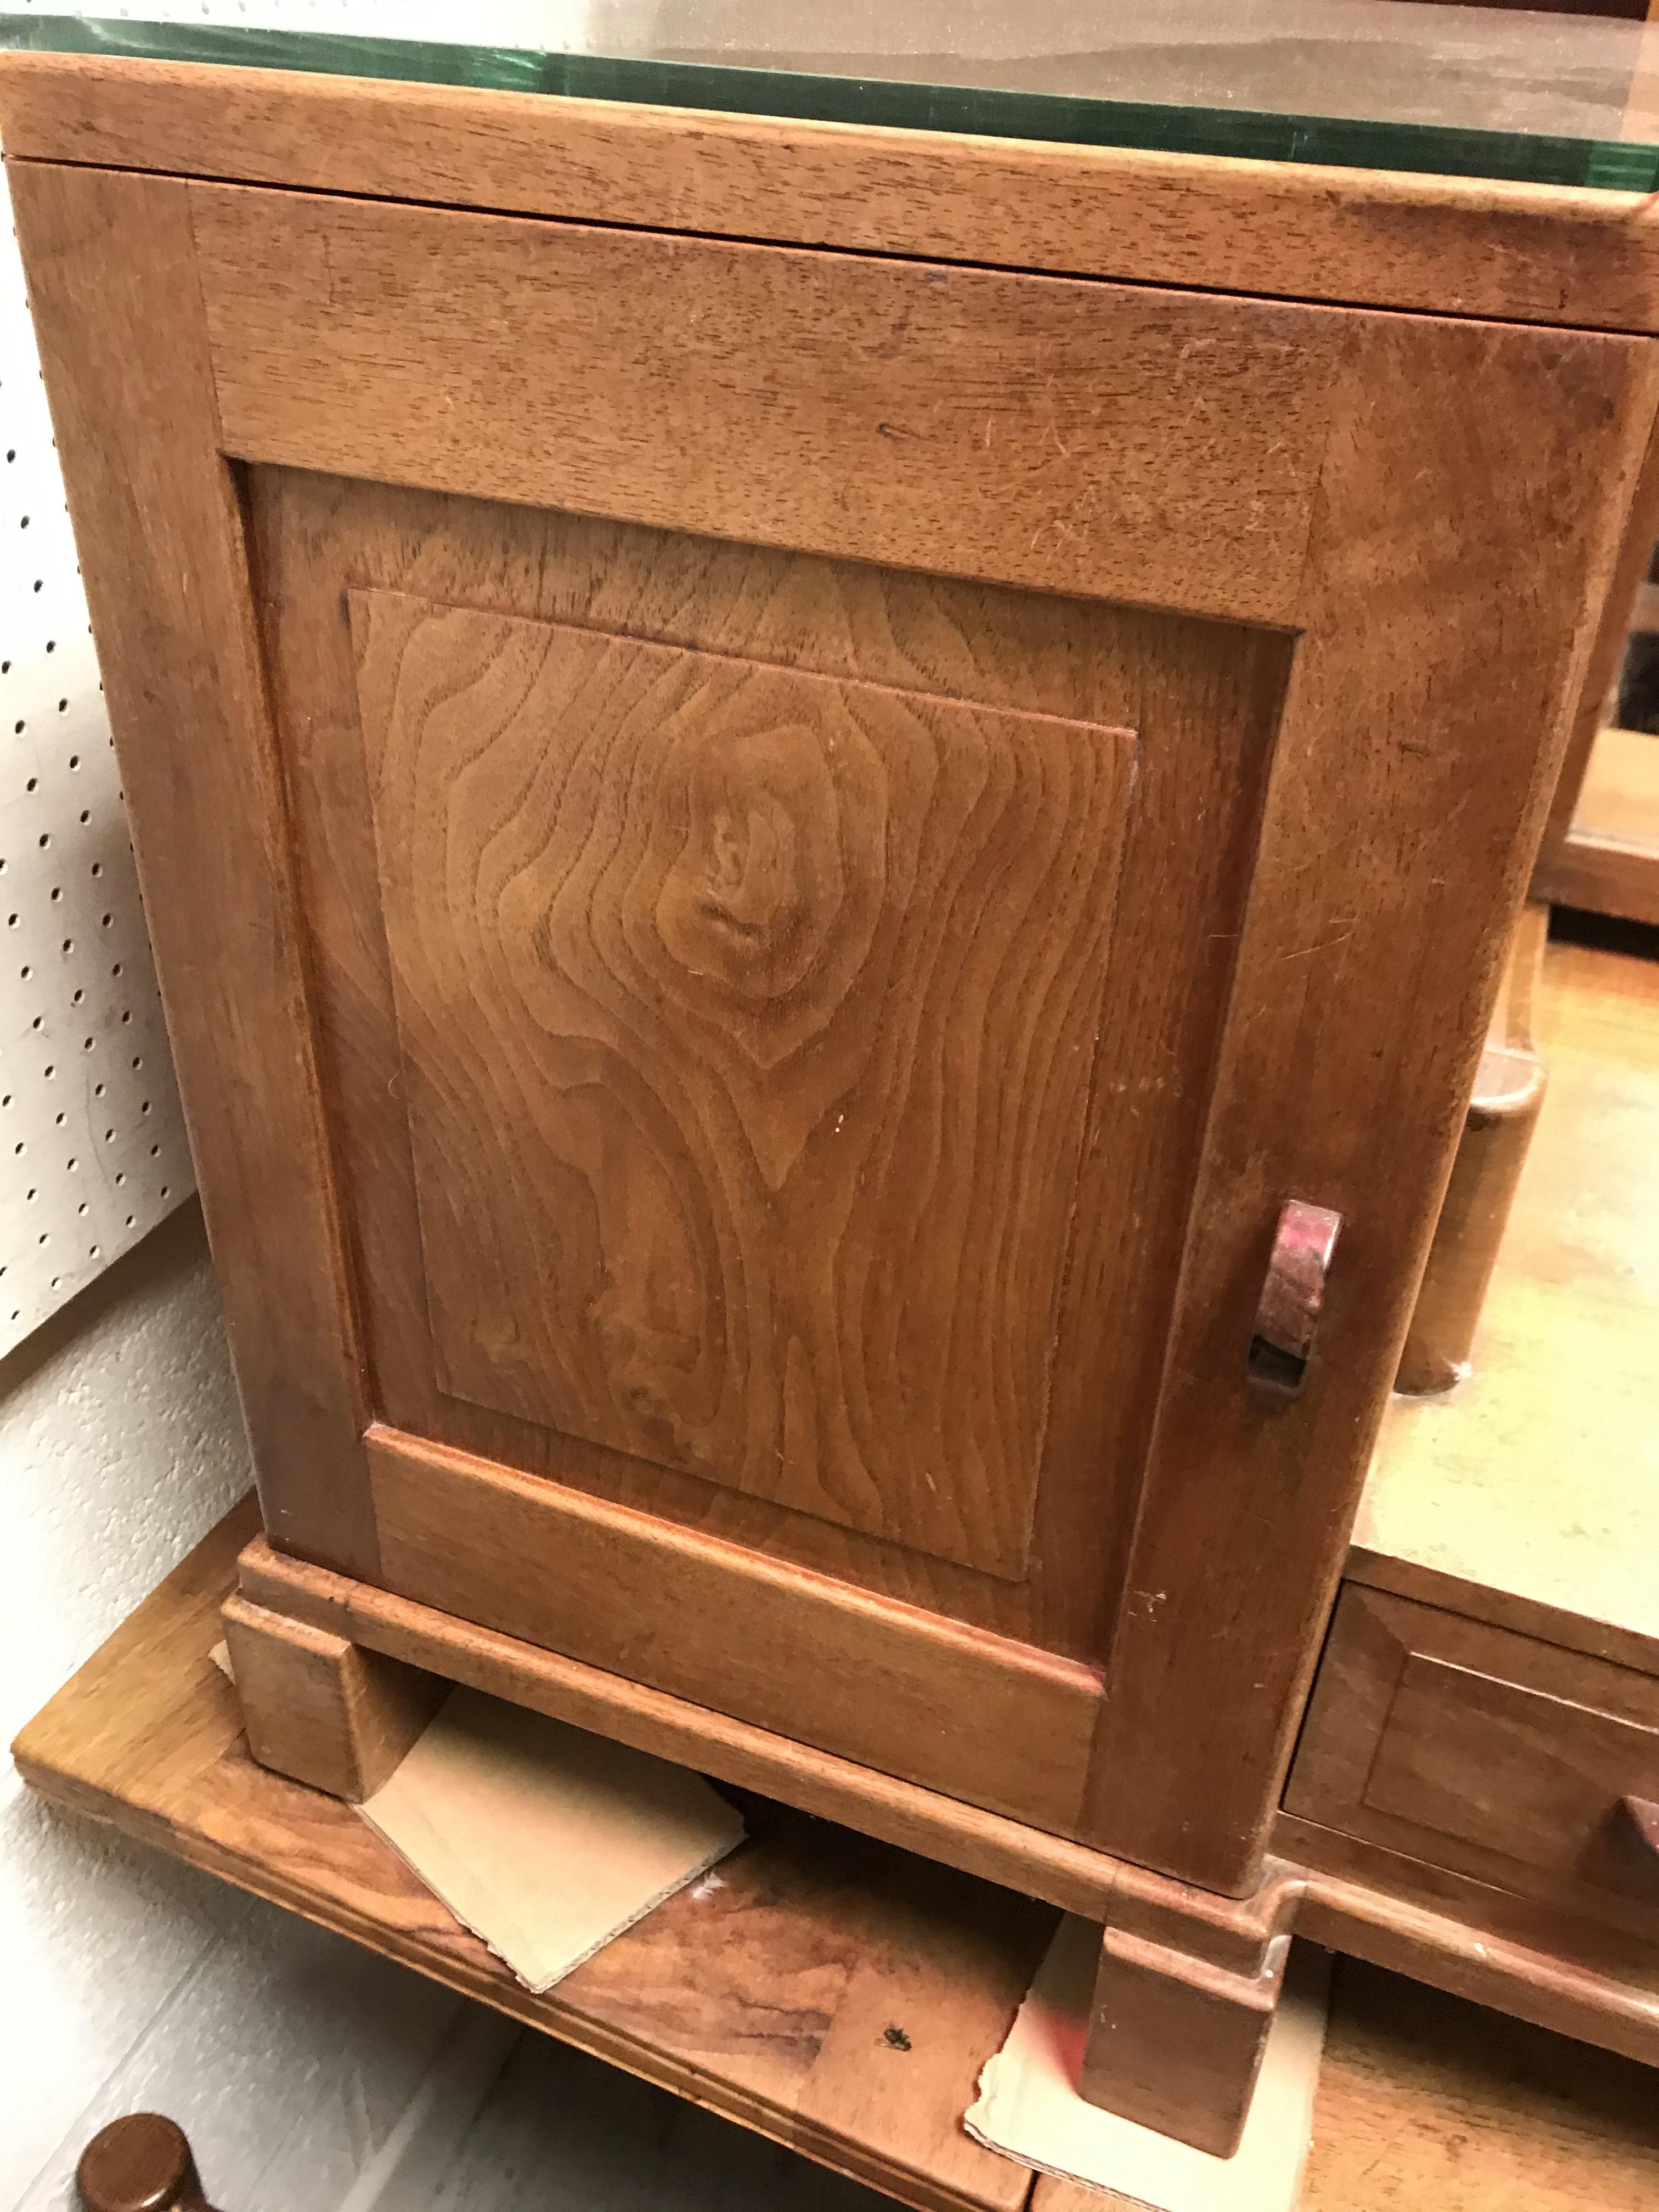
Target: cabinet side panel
113, 286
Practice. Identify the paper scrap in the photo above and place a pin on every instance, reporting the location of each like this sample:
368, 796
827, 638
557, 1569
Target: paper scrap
1028, 2107
546, 1840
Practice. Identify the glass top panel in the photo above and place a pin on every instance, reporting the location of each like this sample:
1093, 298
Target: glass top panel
1469, 91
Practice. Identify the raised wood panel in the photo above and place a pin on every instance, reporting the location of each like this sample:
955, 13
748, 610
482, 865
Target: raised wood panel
1204, 698
1159, 447
1512, 1770
1490, 1753
972, 1716
748, 1017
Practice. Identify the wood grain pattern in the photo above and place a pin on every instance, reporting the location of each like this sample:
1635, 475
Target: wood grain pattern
1206, 695
1229, 1934
768, 1999
992, 1721
1557, 1970
159, 530
1406, 747
1393, 727
1490, 1753
1174, 2043
1428, 2099
748, 1017
320, 1708
765, 1997
1554, 1773
1156, 447
1452, 246
1558, 1967
1396, 720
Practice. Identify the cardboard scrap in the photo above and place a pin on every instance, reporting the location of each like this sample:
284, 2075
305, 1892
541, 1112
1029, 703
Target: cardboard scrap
1028, 2107
546, 1840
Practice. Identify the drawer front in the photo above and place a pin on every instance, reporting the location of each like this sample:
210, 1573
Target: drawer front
1487, 1752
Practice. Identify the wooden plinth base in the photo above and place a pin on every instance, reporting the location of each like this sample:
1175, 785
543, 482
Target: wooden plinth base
769, 2000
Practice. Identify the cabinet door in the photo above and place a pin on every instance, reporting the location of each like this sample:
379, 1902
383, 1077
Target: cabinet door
768, 867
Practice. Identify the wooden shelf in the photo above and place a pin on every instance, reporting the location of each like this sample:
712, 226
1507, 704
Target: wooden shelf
768, 2000
1608, 862
1526, 1495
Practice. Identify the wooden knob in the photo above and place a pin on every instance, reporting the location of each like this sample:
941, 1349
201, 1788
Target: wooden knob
139, 2163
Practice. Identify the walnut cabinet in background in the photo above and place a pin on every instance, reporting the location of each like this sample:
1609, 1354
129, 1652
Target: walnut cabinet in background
771, 852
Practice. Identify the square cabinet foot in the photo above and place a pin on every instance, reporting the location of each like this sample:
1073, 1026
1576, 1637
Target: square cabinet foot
320, 1709
1175, 2040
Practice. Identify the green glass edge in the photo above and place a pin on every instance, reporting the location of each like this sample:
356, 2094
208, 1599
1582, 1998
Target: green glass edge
1431, 149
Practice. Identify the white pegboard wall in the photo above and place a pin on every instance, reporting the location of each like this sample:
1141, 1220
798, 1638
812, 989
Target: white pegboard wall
92, 1143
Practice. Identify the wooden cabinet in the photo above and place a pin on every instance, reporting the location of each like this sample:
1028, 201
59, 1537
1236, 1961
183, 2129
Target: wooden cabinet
769, 861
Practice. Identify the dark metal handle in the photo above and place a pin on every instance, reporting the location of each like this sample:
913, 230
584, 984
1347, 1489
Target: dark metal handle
1292, 1295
